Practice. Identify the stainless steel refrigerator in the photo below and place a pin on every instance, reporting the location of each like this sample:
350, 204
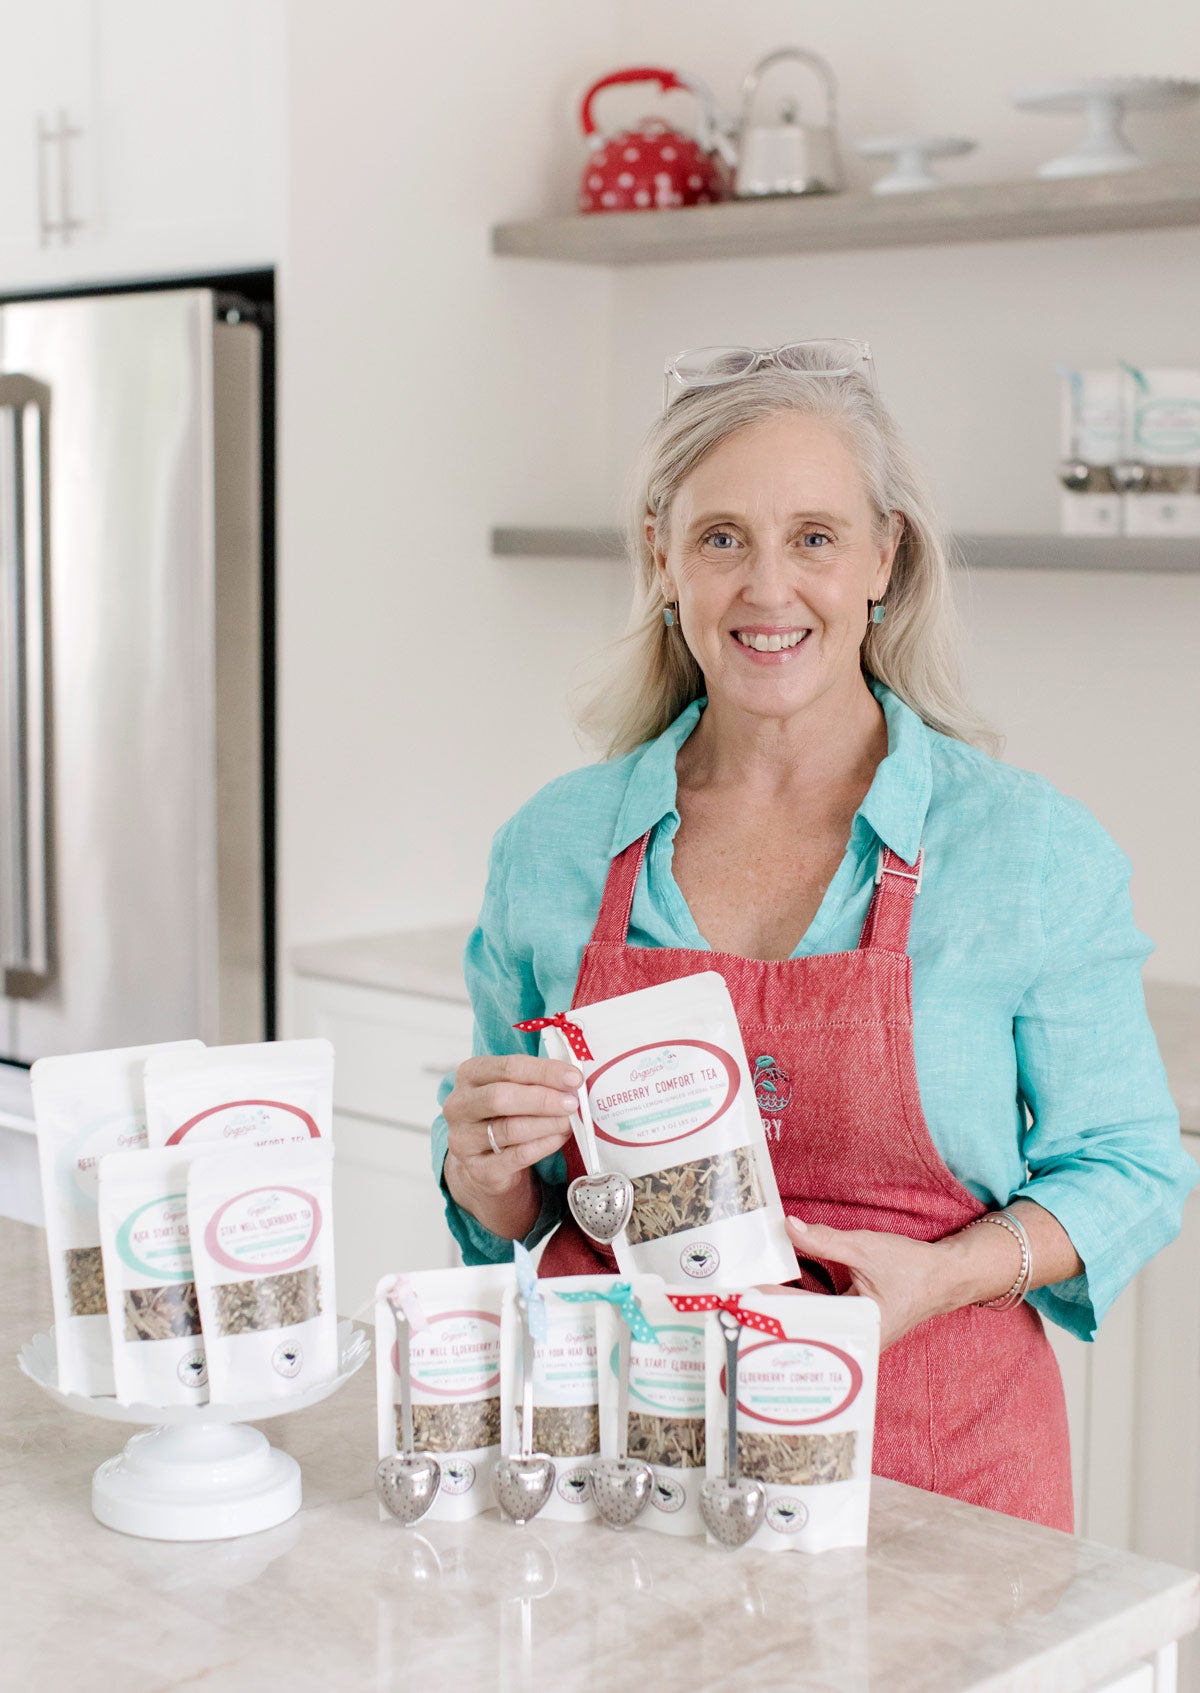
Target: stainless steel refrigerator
132, 789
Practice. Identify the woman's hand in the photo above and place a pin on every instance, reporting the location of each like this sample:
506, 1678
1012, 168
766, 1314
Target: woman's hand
527, 1102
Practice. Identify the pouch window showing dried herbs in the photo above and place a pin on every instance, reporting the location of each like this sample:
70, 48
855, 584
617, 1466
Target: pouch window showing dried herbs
668, 1101
455, 1365
154, 1316
261, 1223
566, 1391
87, 1105
270, 1093
806, 1415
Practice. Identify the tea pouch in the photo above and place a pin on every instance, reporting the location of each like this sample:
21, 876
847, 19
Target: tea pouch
807, 1367
261, 1225
268, 1093
153, 1314
455, 1364
666, 1404
668, 1101
85, 1105
567, 1411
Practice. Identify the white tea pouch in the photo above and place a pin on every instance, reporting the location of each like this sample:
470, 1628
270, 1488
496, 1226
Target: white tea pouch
566, 1387
666, 1427
455, 1380
668, 1101
261, 1225
85, 1105
269, 1093
153, 1314
807, 1367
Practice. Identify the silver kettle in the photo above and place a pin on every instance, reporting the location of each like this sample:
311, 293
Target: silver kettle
787, 156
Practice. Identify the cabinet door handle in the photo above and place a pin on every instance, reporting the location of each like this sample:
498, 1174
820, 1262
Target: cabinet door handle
65, 225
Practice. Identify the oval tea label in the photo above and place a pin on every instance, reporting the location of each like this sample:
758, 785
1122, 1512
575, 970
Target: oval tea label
249, 1122
153, 1240
668, 1375
791, 1383
457, 1355
79, 1177
266, 1229
663, 1092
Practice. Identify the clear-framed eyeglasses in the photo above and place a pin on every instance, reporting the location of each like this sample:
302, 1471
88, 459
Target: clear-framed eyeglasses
706, 367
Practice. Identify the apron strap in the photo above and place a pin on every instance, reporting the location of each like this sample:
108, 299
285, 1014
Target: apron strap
897, 885
616, 906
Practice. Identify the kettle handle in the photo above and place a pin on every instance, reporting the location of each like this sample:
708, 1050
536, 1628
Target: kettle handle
814, 60
665, 79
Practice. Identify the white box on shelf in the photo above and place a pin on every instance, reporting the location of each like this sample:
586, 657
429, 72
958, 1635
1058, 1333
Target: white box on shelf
1091, 435
1162, 413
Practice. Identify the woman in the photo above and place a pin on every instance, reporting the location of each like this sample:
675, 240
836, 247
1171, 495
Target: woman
932, 954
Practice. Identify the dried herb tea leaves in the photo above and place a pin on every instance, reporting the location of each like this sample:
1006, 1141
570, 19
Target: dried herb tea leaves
85, 1281
691, 1196
796, 1460
268, 1302
564, 1431
454, 1428
161, 1313
675, 1441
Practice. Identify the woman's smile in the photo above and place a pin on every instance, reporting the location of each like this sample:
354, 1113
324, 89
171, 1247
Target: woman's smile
768, 643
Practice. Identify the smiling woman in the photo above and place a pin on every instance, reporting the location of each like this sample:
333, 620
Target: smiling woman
932, 955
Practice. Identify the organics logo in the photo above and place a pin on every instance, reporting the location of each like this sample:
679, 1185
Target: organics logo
287, 1359
573, 1487
662, 1092
258, 1122
667, 1495
699, 1260
667, 1060
772, 1085
458, 1476
787, 1516
193, 1370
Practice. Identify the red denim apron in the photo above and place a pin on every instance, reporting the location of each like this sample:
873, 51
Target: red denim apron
971, 1403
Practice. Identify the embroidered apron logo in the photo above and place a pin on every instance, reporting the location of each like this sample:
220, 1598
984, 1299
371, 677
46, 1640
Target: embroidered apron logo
772, 1085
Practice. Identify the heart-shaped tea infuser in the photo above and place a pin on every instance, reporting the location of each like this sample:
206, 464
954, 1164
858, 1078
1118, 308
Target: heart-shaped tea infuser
601, 1205
621, 1486
406, 1482
525, 1480
731, 1509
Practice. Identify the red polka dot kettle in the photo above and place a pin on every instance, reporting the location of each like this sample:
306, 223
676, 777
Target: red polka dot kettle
653, 166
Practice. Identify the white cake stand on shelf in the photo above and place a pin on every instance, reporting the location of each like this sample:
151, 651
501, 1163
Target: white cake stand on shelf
1104, 101
195, 1472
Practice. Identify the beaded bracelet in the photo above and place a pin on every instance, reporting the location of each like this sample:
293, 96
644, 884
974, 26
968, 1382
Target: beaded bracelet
1019, 1288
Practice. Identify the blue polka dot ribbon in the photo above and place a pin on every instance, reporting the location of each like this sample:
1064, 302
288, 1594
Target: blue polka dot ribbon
623, 1297
527, 1287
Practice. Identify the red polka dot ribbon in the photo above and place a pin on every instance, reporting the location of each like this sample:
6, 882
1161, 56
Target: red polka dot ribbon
731, 1302
560, 1020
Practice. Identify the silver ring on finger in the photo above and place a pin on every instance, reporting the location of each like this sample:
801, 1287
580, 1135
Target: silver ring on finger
492, 1142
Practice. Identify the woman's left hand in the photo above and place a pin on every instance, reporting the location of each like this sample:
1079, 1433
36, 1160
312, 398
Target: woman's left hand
906, 1278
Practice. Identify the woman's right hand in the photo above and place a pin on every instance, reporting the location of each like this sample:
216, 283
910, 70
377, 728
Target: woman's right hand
527, 1101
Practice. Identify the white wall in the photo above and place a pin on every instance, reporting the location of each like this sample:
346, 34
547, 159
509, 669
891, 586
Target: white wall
430, 391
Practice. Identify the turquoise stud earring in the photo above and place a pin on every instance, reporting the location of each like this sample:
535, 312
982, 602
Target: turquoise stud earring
669, 616
877, 609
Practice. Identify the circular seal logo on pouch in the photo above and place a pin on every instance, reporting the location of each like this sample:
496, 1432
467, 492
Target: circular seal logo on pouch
786, 1516
573, 1486
667, 1495
287, 1359
458, 1477
699, 1260
772, 1085
193, 1370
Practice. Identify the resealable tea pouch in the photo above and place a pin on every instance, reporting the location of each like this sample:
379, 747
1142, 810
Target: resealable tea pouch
806, 1414
267, 1093
261, 1224
666, 1427
153, 1313
85, 1105
567, 1411
455, 1380
668, 1101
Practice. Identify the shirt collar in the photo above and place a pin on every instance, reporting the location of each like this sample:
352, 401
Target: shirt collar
894, 807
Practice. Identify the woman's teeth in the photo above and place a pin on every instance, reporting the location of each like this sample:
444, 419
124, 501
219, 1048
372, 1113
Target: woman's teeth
772, 643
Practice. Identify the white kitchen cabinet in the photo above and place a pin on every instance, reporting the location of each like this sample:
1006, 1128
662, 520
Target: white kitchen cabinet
178, 166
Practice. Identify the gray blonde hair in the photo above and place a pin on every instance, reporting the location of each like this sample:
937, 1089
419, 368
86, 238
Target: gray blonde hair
652, 675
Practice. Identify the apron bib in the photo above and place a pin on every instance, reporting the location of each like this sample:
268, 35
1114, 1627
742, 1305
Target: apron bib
970, 1403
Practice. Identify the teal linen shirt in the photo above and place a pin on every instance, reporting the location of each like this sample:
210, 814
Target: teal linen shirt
1037, 1066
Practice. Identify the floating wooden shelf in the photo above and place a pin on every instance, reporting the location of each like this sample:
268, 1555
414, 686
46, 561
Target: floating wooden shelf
1161, 197
982, 552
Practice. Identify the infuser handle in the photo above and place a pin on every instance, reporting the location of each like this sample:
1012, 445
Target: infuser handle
813, 60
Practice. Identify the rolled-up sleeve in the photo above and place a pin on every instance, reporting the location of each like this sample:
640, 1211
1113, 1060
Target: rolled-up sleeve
501, 984
1102, 1149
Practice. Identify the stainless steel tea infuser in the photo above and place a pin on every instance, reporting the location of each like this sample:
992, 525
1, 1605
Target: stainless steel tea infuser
621, 1486
406, 1482
601, 1205
732, 1509
525, 1480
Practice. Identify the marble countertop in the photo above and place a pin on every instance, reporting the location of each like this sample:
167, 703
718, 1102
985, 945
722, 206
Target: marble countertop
947, 1598
429, 961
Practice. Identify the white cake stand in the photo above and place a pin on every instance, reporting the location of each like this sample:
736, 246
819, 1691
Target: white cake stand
911, 172
195, 1472
1105, 100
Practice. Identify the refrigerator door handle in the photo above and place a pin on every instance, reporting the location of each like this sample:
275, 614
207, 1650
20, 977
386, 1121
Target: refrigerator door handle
26, 952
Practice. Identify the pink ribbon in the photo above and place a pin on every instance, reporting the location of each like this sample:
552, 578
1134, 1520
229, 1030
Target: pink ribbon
402, 1295
731, 1302
560, 1020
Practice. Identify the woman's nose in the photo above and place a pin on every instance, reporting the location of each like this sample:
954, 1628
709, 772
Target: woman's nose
769, 575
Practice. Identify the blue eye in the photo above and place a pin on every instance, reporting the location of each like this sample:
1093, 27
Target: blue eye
719, 535
814, 536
